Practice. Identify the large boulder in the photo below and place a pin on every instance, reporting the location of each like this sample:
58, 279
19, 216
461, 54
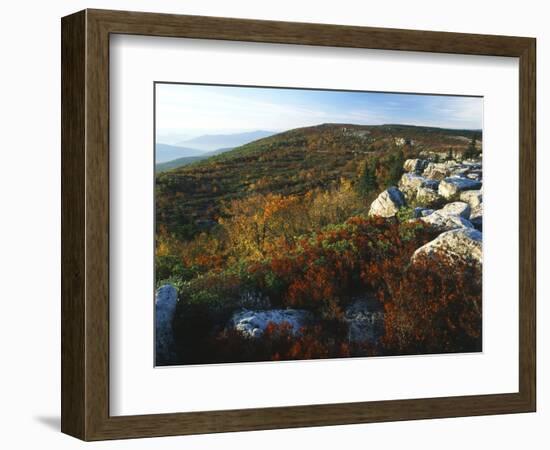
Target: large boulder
461, 209
476, 216
415, 165
428, 197
467, 169
460, 244
438, 171
254, 323
365, 319
458, 171
451, 187
165, 307
387, 203
410, 183
445, 222
473, 198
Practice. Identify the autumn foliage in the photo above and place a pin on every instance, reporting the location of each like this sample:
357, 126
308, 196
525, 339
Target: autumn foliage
434, 307
308, 246
430, 307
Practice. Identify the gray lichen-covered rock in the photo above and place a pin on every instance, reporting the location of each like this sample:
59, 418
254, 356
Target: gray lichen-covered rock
431, 184
451, 187
458, 171
415, 165
476, 216
428, 197
461, 209
461, 244
422, 212
253, 323
365, 319
410, 183
473, 198
445, 222
438, 171
387, 203
165, 308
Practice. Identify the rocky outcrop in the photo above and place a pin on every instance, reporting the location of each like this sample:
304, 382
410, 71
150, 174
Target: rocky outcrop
254, 323
446, 195
473, 198
415, 165
431, 184
165, 307
458, 171
409, 185
475, 175
437, 171
462, 244
461, 209
387, 203
445, 222
428, 197
476, 216
473, 165
451, 187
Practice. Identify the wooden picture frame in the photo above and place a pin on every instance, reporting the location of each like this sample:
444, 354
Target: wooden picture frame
85, 224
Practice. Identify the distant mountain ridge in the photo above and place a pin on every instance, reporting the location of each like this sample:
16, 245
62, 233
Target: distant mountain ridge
210, 142
185, 152
165, 152
179, 162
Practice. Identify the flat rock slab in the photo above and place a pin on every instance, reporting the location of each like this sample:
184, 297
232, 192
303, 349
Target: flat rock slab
464, 244
445, 222
461, 209
254, 323
451, 187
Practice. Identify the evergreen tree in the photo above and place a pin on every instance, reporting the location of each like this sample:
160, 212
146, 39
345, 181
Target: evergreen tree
367, 182
471, 151
395, 169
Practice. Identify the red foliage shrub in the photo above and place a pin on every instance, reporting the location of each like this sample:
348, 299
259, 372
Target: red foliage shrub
279, 342
434, 307
431, 306
340, 261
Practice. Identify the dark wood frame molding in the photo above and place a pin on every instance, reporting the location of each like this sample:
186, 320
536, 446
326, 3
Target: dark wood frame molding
85, 224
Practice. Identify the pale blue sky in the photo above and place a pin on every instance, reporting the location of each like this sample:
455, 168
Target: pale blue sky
196, 109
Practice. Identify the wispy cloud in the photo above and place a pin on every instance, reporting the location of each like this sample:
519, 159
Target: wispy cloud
192, 109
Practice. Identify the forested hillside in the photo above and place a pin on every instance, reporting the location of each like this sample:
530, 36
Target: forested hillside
190, 198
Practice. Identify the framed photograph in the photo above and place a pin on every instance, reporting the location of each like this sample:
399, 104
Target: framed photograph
272, 225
